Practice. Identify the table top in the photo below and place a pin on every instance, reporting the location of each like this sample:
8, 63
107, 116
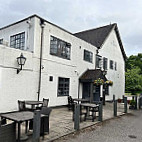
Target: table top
80, 99
19, 116
33, 102
89, 105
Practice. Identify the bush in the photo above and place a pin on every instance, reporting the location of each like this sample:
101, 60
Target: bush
132, 102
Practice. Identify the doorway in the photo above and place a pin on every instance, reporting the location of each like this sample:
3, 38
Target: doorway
96, 93
86, 91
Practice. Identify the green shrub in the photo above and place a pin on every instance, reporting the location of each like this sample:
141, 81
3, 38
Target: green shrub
132, 102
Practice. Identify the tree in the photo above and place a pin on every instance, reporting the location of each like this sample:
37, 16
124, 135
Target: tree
134, 74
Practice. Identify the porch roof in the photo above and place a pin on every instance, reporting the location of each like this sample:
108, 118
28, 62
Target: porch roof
91, 75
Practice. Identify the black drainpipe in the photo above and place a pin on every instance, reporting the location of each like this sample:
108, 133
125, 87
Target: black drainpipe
41, 48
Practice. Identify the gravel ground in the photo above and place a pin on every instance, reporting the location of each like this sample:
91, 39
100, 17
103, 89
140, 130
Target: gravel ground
127, 128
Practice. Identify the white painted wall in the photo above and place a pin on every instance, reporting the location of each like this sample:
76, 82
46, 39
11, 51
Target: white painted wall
112, 51
24, 86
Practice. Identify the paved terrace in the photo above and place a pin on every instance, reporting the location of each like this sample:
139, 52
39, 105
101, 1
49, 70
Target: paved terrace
61, 121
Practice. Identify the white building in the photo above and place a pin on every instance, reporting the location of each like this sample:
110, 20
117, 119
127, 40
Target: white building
56, 61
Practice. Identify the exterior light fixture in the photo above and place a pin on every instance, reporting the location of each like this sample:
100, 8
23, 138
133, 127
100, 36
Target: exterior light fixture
21, 61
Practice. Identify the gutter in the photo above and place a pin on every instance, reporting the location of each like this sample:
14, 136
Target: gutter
41, 49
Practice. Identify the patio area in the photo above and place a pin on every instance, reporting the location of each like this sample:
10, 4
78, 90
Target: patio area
61, 122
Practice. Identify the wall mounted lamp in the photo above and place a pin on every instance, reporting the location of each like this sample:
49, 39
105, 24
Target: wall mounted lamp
21, 62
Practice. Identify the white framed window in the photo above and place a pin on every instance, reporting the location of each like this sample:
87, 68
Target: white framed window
111, 64
88, 56
1, 41
59, 48
98, 61
18, 41
105, 62
63, 86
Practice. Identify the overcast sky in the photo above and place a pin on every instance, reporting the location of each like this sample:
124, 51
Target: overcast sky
79, 15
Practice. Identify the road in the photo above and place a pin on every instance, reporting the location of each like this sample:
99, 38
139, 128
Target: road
127, 128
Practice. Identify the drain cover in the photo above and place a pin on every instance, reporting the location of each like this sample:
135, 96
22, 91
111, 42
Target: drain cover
132, 136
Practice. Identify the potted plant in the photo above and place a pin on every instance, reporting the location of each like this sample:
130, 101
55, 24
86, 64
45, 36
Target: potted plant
132, 104
99, 81
109, 82
119, 100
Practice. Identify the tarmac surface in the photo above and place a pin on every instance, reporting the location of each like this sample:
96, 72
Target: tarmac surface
126, 128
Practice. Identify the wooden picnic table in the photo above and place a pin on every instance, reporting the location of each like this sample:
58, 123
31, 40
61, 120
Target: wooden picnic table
80, 100
90, 108
33, 103
19, 117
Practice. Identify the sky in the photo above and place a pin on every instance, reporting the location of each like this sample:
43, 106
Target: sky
79, 15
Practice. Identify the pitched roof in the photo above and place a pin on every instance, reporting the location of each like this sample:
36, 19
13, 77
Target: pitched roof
98, 36
91, 75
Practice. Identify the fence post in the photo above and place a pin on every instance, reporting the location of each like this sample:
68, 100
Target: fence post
140, 102
113, 98
100, 112
125, 104
136, 102
114, 106
123, 99
76, 116
36, 126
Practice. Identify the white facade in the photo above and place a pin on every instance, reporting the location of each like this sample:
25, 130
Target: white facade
111, 50
24, 86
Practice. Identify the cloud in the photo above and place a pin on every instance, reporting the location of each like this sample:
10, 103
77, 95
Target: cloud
80, 15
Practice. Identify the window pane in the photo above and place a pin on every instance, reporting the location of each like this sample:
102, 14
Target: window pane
88, 56
63, 87
111, 64
18, 41
105, 60
98, 61
60, 48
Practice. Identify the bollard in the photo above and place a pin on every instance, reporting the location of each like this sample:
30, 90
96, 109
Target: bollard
125, 104
140, 102
76, 116
36, 126
136, 102
100, 112
123, 99
113, 98
115, 107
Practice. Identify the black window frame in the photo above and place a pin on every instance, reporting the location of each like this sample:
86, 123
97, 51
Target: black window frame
98, 61
111, 64
60, 48
1, 41
105, 63
115, 66
17, 41
63, 86
88, 56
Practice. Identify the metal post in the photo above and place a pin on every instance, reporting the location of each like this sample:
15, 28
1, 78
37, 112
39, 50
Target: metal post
36, 126
76, 116
125, 104
115, 107
123, 99
113, 98
136, 102
104, 97
100, 112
